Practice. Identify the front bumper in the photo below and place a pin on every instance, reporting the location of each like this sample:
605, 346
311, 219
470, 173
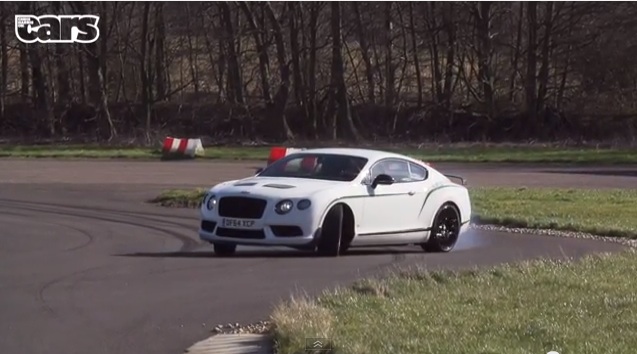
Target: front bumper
262, 233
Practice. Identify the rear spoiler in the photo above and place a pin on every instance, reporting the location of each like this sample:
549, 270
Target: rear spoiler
462, 180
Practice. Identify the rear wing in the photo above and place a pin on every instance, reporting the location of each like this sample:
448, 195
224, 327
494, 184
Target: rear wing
462, 180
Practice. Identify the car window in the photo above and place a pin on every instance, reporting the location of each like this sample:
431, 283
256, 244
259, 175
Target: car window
331, 167
416, 172
400, 170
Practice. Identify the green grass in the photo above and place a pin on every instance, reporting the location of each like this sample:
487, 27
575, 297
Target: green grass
610, 212
180, 198
569, 307
605, 212
528, 154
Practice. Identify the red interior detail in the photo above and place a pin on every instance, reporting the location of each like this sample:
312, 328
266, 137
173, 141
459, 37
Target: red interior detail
277, 153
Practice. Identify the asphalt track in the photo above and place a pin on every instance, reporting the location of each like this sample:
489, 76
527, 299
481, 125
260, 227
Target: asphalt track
87, 267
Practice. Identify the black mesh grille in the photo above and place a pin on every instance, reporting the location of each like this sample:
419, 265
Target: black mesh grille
241, 207
208, 226
286, 231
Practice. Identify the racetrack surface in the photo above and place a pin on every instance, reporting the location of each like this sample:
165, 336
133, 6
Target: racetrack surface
87, 267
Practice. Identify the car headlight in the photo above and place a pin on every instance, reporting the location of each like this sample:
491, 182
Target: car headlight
283, 207
303, 204
211, 202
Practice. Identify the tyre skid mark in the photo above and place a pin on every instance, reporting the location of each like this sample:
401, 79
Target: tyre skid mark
121, 213
187, 242
161, 218
44, 288
108, 210
89, 239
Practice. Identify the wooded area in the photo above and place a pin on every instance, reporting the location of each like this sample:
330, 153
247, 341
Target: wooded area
446, 71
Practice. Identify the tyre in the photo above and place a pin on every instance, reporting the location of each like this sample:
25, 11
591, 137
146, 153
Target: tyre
329, 243
224, 249
445, 230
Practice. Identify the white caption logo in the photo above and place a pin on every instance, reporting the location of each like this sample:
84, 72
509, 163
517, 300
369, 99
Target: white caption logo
552, 352
57, 28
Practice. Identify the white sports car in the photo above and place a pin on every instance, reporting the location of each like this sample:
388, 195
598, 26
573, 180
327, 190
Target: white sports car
330, 199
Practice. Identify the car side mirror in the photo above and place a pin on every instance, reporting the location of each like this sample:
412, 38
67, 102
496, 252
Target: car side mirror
259, 170
382, 179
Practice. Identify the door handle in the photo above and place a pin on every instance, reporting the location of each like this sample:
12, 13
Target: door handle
411, 192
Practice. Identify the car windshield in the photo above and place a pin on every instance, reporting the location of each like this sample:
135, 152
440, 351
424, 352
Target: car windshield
317, 166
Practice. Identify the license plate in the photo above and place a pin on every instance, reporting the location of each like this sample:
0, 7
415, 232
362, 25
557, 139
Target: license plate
238, 223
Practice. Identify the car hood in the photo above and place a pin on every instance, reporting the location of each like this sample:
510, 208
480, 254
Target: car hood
277, 187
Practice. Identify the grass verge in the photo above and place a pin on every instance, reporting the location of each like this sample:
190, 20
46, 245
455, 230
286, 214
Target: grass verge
600, 212
568, 307
180, 198
527, 154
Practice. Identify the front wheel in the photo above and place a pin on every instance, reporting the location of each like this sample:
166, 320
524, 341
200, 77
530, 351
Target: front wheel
445, 230
329, 243
224, 249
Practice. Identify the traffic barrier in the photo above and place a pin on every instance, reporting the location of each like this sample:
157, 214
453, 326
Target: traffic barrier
182, 148
279, 152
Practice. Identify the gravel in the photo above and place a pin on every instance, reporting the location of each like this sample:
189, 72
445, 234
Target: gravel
261, 327
264, 327
573, 234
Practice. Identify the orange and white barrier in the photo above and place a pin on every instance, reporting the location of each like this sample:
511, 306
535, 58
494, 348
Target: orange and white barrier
278, 152
182, 147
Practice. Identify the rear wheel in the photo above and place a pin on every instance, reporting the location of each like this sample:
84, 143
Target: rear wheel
445, 230
224, 249
329, 243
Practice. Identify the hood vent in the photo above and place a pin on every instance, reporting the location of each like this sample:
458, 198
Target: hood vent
245, 184
279, 186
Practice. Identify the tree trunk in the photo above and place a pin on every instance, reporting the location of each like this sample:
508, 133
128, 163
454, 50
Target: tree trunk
146, 104
311, 69
98, 95
414, 50
516, 53
235, 87
364, 47
390, 74
531, 67
264, 59
338, 89
447, 89
433, 30
41, 89
281, 97
63, 75
160, 52
546, 53
191, 58
483, 33
296, 53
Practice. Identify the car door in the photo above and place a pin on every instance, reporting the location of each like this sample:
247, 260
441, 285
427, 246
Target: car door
391, 208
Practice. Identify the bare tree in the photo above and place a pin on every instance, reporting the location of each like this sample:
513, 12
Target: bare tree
97, 91
264, 59
235, 87
281, 97
483, 33
338, 90
531, 65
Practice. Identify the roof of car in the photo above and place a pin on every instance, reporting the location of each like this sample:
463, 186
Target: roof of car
365, 153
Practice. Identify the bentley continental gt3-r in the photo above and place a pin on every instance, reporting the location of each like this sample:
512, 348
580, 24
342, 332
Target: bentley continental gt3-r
330, 199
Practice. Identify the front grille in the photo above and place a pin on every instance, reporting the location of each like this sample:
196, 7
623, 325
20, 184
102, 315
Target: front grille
241, 207
237, 233
286, 231
208, 226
